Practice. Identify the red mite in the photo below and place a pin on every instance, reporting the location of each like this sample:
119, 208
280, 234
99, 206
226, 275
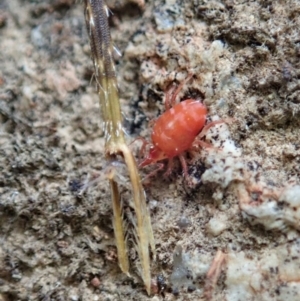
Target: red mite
175, 131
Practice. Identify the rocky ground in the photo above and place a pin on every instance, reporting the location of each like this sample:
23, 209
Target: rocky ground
230, 235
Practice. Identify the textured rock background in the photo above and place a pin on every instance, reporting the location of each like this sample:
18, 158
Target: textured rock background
57, 242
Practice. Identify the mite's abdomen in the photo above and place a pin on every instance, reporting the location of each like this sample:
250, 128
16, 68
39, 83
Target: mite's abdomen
175, 131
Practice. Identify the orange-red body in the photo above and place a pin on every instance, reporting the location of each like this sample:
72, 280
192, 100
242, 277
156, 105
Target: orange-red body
175, 130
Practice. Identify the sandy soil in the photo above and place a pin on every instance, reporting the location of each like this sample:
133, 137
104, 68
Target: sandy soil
57, 241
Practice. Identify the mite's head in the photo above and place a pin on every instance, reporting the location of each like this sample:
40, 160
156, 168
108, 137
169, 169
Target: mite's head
154, 155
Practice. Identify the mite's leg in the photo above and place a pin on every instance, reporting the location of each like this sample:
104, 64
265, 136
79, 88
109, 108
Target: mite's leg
171, 95
202, 144
213, 123
208, 126
142, 150
153, 173
169, 168
184, 166
168, 97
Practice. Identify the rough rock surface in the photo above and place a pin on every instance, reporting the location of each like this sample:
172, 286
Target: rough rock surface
55, 217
